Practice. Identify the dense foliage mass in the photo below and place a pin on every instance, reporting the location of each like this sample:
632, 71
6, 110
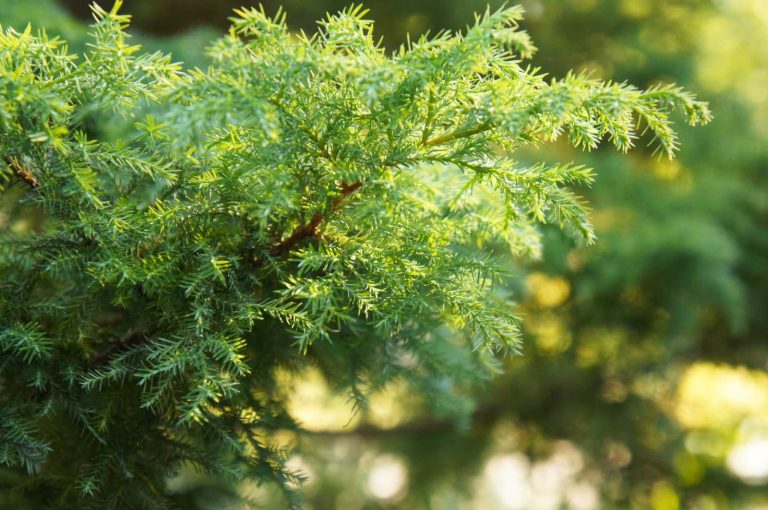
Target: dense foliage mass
304, 200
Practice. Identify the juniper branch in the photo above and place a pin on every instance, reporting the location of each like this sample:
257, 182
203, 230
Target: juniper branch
173, 205
311, 228
130, 339
458, 134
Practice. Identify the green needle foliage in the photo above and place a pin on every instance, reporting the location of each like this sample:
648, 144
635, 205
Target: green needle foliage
303, 201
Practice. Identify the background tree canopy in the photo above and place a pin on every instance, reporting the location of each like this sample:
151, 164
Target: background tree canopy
642, 381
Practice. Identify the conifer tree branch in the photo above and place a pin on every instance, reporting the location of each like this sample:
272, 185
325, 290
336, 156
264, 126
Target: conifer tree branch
460, 133
347, 111
310, 229
130, 339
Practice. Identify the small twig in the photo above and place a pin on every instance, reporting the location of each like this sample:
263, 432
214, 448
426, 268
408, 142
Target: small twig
298, 235
311, 228
23, 172
430, 118
130, 339
455, 135
346, 189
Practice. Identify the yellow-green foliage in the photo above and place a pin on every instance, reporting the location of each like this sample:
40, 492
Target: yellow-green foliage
304, 200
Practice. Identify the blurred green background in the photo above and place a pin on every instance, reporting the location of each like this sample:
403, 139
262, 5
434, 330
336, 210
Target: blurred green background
643, 382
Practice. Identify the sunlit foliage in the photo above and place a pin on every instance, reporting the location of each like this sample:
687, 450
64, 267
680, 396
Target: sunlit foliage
303, 200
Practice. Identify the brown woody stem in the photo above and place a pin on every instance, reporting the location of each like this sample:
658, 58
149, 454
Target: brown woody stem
23, 172
311, 228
